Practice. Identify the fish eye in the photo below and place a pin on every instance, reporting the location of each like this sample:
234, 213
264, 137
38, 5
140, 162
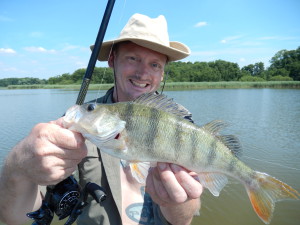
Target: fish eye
91, 107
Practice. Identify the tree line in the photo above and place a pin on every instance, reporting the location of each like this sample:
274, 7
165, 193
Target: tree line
284, 66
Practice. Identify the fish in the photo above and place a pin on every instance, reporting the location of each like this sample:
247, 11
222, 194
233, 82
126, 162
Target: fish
154, 128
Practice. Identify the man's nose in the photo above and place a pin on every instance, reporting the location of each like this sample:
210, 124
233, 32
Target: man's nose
143, 69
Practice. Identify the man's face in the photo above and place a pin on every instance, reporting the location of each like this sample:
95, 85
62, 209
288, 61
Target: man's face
137, 70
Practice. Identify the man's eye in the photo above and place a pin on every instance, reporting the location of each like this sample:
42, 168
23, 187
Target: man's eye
156, 66
132, 58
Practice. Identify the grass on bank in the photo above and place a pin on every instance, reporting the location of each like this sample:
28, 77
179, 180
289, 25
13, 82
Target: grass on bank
177, 85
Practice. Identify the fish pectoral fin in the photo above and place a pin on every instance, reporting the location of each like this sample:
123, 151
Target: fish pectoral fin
214, 182
139, 170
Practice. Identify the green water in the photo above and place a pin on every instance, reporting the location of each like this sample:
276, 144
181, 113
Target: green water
267, 121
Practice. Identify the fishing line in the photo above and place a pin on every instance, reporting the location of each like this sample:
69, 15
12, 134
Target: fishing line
165, 78
272, 163
110, 52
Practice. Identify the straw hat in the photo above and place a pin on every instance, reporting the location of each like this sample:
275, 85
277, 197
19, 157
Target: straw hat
149, 33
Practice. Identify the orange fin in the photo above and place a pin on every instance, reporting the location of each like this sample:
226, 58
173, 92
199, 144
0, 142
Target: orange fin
214, 182
139, 171
266, 192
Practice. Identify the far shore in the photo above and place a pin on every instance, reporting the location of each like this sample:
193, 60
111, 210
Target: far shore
170, 86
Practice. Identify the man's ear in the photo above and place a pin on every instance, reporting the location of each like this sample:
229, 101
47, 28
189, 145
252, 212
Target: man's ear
162, 76
111, 60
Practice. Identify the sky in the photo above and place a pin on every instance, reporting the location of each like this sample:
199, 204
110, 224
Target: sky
44, 39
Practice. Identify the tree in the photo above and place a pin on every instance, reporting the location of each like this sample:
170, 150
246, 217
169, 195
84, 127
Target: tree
288, 60
229, 71
21, 81
77, 76
259, 68
249, 69
255, 69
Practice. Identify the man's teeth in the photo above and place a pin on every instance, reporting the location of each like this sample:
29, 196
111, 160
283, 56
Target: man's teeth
138, 84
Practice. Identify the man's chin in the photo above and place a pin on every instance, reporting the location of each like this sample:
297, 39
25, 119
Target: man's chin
135, 95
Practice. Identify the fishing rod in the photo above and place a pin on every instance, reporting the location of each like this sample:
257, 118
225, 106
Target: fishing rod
95, 52
67, 198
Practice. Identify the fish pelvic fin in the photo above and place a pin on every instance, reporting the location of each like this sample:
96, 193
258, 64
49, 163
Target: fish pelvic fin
266, 193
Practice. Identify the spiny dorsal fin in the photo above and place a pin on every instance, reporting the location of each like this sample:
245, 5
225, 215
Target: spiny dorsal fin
230, 141
162, 102
215, 126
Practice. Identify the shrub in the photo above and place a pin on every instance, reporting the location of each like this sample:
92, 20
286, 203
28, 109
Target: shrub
281, 78
251, 79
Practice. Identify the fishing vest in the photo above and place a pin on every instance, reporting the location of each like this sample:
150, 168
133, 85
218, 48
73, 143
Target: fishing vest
104, 170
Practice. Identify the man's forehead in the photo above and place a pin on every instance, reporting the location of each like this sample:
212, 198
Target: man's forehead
130, 47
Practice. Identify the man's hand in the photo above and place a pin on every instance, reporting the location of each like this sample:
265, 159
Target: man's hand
176, 190
50, 153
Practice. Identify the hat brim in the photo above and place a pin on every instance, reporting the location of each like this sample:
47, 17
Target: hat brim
175, 52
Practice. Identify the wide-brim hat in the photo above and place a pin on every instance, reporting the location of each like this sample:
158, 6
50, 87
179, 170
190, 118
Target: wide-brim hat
150, 33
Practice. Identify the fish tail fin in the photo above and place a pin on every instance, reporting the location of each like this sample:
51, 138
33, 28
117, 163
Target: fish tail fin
266, 192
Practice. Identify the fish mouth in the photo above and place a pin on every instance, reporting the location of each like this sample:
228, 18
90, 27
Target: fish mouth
139, 85
72, 115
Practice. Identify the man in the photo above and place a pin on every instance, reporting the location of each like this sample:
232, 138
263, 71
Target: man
51, 153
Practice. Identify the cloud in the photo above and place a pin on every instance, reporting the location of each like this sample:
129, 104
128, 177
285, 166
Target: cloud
68, 47
36, 34
5, 19
231, 38
7, 50
39, 49
201, 24
241, 55
279, 38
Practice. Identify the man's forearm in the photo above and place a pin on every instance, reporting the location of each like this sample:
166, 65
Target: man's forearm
18, 195
181, 214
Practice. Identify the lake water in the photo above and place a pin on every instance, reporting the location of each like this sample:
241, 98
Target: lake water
267, 122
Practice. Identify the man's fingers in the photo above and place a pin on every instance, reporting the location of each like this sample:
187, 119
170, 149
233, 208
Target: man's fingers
188, 181
61, 139
65, 138
161, 198
172, 186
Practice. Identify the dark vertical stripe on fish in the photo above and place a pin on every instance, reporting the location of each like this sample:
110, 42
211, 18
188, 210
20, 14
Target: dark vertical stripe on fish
129, 116
212, 153
250, 179
232, 164
152, 129
178, 140
195, 149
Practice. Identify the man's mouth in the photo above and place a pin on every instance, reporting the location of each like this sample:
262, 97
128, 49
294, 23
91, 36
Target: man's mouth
138, 84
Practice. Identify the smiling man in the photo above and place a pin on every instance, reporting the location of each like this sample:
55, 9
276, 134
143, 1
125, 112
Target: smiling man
50, 153
137, 70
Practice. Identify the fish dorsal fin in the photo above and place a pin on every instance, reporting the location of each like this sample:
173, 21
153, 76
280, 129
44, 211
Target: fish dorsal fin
230, 141
215, 126
162, 102
233, 143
